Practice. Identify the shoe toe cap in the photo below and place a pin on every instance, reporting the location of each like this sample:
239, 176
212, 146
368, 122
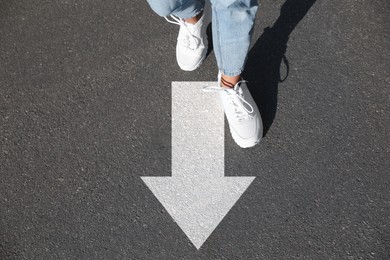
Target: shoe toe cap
248, 134
188, 60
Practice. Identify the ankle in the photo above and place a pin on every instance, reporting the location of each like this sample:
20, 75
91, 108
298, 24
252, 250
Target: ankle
230, 81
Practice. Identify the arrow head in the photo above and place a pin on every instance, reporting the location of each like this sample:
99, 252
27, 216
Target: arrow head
198, 205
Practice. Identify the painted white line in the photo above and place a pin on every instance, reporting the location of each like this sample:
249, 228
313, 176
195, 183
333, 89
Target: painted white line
197, 196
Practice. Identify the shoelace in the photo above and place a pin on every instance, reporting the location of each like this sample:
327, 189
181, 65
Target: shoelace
191, 41
236, 99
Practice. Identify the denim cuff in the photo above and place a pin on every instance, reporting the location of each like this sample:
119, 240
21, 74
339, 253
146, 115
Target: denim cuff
189, 9
231, 73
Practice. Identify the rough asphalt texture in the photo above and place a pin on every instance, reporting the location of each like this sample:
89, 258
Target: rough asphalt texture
85, 103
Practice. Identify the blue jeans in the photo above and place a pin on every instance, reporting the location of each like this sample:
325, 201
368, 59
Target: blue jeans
232, 26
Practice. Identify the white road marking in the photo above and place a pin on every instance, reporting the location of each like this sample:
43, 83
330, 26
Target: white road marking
197, 196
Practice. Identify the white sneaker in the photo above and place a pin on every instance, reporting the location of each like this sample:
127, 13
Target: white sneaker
241, 111
192, 43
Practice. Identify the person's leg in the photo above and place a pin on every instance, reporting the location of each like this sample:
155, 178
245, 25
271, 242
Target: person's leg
233, 22
185, 9
192, 16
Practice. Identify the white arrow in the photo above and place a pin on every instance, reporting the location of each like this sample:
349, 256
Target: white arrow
197, 196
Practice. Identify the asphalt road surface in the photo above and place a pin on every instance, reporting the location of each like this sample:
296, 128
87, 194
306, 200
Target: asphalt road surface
85, 110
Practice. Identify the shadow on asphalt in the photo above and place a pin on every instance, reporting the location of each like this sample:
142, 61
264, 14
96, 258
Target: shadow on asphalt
262, 69
210, 39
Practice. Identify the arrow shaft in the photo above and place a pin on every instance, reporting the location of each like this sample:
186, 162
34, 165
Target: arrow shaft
197, 131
